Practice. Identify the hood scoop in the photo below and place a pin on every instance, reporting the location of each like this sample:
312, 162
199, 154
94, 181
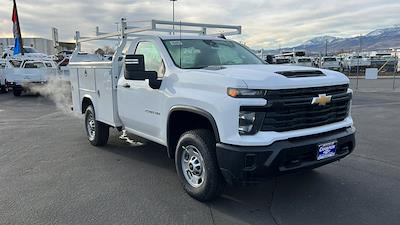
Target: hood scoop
301, 73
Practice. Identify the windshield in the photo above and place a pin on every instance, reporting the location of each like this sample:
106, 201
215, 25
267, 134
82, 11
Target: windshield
329, 59
197, 54
282, 61
30, 50
304, 60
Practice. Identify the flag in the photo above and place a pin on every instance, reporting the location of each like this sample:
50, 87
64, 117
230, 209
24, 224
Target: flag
18, 46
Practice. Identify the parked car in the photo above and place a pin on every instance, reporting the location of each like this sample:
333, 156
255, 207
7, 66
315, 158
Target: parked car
351, 63
303, 61
330, 63
25, 73
3, 80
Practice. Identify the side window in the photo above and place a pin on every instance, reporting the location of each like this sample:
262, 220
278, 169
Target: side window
152, 58
38, 65
16, 63
29, 65
34, 65
48, 64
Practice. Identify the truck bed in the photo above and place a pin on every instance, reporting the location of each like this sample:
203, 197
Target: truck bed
94, 81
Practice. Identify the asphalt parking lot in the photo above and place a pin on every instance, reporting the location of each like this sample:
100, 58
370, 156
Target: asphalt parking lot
49, 174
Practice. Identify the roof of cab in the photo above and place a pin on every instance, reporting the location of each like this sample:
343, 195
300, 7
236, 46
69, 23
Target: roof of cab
188, 37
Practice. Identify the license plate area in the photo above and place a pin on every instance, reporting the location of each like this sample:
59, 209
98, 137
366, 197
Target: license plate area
326, 150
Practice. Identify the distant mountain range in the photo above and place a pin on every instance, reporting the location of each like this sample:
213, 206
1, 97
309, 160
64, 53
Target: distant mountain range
378, 39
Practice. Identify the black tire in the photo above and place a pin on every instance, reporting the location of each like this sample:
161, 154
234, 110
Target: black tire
213, 183
3, 89
17, 92
99, 132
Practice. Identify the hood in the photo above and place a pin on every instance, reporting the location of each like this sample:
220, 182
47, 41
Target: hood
268, 77
34, 56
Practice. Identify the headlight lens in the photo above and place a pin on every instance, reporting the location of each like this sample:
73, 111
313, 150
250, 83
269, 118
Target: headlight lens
246, 122
245, 93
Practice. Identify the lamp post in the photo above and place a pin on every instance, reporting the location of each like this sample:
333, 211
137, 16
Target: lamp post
173, 15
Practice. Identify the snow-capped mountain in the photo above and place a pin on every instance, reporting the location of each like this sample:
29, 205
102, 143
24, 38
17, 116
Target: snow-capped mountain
395, 30
320, 40
382, 38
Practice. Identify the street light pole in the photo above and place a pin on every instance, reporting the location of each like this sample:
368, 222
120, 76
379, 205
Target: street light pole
173, 15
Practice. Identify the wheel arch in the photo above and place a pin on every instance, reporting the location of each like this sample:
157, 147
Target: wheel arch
86, 101
187, 110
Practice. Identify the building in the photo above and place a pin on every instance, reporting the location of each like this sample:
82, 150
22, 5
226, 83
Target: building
41, 44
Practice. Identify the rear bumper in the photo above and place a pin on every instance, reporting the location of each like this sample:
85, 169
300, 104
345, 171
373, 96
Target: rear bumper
27, 85
240, 164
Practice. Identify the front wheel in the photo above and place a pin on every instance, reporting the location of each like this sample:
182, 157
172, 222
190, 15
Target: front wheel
3, 89
196, 165
96, 131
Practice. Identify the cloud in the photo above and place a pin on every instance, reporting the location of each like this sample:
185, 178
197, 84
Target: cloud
266, 24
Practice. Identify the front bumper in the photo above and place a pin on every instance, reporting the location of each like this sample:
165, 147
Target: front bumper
240, 164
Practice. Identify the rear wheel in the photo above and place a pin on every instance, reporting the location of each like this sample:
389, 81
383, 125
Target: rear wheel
196, 165
96, 131
17, 92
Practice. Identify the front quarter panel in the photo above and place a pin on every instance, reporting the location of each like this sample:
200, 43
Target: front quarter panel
204, 91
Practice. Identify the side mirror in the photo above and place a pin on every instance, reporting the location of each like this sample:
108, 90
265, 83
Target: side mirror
134, 67
135, 70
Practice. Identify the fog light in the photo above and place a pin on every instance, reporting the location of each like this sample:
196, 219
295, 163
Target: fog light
246, 122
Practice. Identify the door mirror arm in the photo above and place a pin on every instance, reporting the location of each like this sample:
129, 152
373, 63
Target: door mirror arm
153, 80
155, 84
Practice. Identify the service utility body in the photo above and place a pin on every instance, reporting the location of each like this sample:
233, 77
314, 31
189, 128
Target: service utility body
223, 114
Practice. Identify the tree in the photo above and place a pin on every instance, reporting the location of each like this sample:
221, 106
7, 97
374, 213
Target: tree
100, 51
108, 50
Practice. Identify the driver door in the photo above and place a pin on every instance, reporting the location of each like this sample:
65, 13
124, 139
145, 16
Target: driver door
139, 104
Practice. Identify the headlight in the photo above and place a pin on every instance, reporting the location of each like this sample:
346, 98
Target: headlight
246, 122
245, 93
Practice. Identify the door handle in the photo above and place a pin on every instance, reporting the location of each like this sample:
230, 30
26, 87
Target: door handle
126, 85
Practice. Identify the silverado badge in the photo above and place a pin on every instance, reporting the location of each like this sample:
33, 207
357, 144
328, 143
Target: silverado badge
321, 100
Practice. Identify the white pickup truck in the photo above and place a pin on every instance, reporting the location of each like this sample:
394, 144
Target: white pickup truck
3, 80
352, 62
303, 61
330, 63
222, 113
25, 73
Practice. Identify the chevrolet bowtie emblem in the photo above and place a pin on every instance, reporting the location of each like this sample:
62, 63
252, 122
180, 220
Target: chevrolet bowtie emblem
321, 100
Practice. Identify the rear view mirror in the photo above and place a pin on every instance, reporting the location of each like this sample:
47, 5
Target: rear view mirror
134, 67
135, 70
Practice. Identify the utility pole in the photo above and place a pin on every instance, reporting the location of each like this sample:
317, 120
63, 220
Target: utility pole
326, 47
358, 61
173, 15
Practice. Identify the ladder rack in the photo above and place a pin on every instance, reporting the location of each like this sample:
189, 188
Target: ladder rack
161, 26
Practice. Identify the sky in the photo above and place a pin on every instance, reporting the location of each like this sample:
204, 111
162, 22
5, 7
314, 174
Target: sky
265, 24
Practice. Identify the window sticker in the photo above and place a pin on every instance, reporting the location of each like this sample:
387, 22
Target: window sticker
174, 43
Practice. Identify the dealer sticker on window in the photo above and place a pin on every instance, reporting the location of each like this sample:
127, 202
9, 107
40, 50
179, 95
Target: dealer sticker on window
175, 42
326, 150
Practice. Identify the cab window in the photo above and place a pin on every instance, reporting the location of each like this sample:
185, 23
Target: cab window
34, 65
15, 63
152, 58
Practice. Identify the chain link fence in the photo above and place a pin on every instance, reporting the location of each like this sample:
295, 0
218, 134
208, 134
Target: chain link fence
380, 75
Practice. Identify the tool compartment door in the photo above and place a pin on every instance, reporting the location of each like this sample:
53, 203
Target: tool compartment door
74, 81
104, 94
